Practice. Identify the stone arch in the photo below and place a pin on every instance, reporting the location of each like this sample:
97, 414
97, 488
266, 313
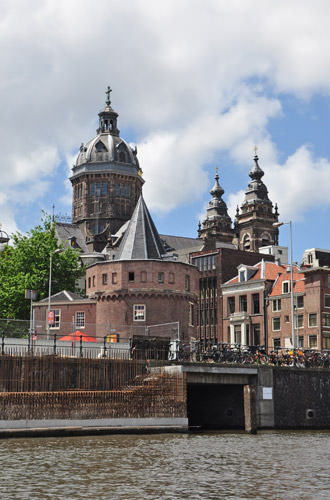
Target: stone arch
100, 147
246, 241
265, 239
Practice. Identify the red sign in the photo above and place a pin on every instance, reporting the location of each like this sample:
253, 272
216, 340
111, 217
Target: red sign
51, 317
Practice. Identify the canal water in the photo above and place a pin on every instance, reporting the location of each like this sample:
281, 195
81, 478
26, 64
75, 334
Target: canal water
214, 465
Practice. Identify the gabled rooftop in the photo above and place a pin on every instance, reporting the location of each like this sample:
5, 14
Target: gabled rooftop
298, 283
263, 270
64, 296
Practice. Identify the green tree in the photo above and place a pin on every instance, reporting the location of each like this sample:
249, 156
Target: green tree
25, 265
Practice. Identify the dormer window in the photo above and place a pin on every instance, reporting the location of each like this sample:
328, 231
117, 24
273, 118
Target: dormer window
286, 287
245, 273
122, 157
100, 147
122, 152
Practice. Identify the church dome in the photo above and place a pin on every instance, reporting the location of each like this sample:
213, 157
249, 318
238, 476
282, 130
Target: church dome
107, 150
106, 147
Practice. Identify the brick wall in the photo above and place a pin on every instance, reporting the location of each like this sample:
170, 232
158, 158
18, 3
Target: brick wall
167, 290
157, 397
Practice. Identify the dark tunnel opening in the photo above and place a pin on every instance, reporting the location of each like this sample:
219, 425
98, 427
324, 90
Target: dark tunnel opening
215, 406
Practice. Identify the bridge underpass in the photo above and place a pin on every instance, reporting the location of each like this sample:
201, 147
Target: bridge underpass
221, 397
212, 406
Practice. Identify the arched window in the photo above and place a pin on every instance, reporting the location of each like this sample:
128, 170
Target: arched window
122, 156
100, 147
265, 239
246, 242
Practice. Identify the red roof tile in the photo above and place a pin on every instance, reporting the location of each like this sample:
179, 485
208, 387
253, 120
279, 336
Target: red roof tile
271, 272
298, 283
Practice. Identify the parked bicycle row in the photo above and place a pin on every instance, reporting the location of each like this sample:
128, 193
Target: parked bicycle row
237, 354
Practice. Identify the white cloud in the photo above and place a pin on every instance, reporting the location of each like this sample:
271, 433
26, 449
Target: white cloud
173, 161
300, 184
190, 79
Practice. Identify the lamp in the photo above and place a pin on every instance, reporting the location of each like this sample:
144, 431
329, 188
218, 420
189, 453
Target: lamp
4, 238
58, 250
278, 224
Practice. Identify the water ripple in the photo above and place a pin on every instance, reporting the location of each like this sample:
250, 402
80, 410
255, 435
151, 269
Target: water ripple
235, 466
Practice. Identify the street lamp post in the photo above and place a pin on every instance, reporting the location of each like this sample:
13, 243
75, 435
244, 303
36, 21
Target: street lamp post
278, 224
58, 250
4, 238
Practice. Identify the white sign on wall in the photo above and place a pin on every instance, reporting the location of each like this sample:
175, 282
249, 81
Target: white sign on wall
267, 393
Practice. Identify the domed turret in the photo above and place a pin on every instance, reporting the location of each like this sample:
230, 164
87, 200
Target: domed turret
106, 180
254, 223
217, 225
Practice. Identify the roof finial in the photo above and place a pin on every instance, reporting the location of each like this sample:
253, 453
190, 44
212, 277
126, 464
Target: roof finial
255, 151
108, 91
216, 169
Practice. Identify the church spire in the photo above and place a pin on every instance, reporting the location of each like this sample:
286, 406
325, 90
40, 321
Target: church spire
141, 240
254, 223
256, 173
108, 91
217, 225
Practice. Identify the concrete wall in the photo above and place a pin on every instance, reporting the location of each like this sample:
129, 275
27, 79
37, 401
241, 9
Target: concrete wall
301, 398
294, 398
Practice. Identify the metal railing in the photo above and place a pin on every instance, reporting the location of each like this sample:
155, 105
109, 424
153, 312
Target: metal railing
162, 350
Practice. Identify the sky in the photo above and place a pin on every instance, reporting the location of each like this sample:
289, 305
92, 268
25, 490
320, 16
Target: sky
197, 84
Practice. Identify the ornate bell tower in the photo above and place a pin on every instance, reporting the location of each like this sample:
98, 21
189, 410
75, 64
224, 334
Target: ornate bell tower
254, 222
106, 181
217, 224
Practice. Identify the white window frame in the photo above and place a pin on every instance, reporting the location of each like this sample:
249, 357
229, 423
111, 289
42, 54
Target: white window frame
242, 275
296, 321
326, 295
309, 341
139, 312
279, 328
80, 319
325, 315
277, 305
309, 324
287, 282
57, 319
298, 297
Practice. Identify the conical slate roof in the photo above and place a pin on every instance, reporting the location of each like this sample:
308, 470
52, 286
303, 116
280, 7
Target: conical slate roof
141, 240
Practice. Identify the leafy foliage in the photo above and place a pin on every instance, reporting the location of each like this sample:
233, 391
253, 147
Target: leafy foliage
25, 264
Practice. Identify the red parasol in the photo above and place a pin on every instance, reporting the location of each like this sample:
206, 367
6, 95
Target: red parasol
75, 337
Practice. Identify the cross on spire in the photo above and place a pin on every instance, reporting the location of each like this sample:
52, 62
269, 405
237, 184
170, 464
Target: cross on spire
255, 150
108, 91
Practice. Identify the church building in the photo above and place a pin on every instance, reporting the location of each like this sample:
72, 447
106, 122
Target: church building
135, 277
